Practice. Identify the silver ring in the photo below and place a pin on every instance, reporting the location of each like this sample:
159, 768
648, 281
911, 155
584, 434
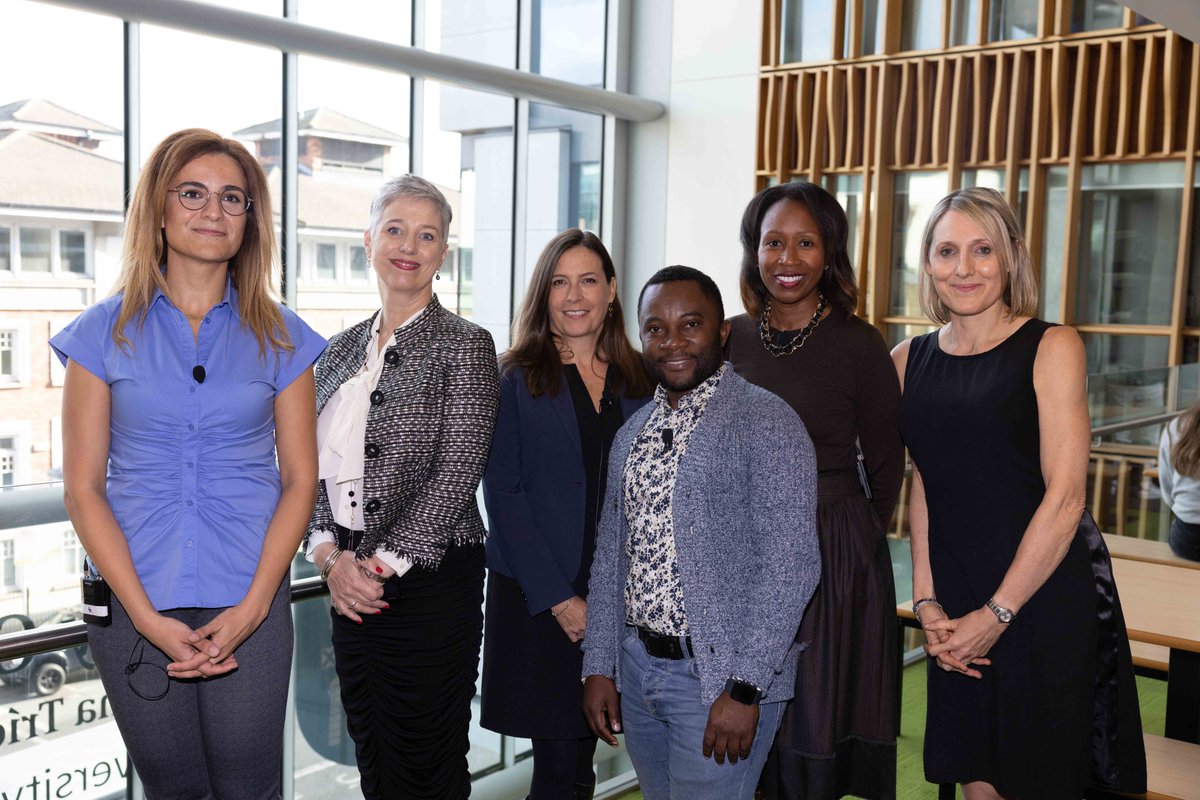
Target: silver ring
353, 603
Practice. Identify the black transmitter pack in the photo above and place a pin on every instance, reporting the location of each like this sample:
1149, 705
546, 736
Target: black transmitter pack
97, 597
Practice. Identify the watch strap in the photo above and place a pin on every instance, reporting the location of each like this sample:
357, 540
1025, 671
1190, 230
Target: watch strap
743, 692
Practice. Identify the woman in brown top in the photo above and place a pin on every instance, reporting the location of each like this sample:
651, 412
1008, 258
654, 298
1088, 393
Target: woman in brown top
801, 340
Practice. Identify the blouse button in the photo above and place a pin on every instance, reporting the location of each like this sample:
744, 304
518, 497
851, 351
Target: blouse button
376, 398
391, 357
372, 451
372, 506
354, 504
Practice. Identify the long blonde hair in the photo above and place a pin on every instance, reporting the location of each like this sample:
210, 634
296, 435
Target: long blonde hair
994, 217
1185, 451
146, 245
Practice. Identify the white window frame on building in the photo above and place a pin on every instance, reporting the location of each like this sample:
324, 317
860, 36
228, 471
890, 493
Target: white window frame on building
343, 249
57, 271
8, 563
14, 353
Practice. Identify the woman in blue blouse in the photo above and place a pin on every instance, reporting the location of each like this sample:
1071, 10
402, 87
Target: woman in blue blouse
181, 389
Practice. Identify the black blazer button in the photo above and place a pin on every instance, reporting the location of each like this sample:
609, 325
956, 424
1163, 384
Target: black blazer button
391, 357
376, 398
371, 451
372, 506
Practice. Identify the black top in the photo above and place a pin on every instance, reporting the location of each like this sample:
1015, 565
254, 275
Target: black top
596, 432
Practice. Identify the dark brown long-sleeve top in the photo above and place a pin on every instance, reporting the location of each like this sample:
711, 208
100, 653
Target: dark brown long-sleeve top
843, 385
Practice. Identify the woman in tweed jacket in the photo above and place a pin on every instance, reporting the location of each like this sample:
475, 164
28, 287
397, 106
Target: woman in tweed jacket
407, 402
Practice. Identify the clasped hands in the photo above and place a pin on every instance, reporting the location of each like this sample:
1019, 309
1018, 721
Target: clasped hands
207, 651
354, 587
959, 645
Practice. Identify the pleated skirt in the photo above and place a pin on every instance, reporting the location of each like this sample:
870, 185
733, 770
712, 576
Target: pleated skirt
407, 679
838, 735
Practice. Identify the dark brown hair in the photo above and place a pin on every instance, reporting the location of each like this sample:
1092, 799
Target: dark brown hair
533, 346
1185, 450
837, 283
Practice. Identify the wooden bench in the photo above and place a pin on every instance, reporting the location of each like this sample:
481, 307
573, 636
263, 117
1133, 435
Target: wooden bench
1149, 550
1172, 771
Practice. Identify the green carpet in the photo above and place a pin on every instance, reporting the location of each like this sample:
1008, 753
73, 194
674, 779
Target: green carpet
910, 777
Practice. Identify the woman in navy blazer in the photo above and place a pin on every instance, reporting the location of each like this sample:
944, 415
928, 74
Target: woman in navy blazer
568, 383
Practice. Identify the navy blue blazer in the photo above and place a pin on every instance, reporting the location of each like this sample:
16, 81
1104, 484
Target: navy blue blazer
534, 490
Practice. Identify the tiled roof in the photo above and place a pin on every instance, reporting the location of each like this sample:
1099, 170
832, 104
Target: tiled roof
36, 113
329, 124
343, 205
79, 180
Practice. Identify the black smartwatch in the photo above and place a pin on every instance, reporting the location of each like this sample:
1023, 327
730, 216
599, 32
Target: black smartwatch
745, 693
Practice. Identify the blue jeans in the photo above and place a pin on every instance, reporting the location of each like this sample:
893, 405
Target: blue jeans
664, 719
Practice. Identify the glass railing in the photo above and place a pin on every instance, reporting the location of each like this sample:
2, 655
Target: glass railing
58, 733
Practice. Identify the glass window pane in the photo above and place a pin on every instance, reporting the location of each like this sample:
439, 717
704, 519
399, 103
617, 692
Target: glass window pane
1053, 241
872, 28
358, 263
1193, 289
350, 142
72, 252
8, 356
995, 179
5, 249
914, 197
807, 30
1010, 20
1128, 237
921, 26
964, 22
565, 149
385, 20
898, 333
1096, 15
568, 40
326, 262
35, 249
165, 109
848, 191
1108, 352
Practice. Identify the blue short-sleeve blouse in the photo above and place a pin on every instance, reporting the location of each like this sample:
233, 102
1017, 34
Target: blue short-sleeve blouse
192, 476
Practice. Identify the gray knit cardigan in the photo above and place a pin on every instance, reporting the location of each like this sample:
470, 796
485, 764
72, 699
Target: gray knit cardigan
745, 516
429, 431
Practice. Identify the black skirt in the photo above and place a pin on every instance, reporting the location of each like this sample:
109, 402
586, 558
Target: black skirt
408, 676
537, 693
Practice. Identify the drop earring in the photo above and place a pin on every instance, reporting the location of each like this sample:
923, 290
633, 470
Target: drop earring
610, 309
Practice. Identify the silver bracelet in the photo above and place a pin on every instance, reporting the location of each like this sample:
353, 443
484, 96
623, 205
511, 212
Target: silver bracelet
922, 602
330, 560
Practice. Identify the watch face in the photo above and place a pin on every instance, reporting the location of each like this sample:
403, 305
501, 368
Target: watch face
1005, 615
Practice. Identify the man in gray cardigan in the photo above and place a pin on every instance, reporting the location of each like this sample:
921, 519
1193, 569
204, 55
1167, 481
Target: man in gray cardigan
706, 556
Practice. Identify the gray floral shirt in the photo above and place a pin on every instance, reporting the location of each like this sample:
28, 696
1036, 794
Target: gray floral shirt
653, 592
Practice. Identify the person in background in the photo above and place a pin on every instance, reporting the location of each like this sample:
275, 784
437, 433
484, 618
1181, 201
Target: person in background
800, 339
568, 383
1179, 477
705, 559
406, 402
1031, 686
181, 391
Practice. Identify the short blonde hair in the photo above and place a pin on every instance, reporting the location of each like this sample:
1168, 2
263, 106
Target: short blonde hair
994, 217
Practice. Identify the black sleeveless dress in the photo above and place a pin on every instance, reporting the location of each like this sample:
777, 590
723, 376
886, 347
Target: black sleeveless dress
1057, 710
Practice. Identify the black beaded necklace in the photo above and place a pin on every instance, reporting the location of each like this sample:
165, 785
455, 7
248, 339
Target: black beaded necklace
764, 329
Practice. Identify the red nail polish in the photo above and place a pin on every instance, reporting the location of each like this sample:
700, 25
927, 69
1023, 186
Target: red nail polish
379, 570
359, 621
386, 606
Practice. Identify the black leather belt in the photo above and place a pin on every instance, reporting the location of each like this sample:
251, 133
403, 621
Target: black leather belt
661, 646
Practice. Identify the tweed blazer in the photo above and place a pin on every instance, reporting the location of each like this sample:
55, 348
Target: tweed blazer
745, 520
429, 430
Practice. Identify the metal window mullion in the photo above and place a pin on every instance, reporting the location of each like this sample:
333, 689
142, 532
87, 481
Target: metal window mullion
614, 173
289, 169
520, 216
133, 92
416, 96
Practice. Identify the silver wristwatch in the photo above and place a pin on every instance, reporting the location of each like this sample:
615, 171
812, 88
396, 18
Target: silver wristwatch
1003, 615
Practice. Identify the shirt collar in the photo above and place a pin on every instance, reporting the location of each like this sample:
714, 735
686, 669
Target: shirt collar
697, 398
230, 299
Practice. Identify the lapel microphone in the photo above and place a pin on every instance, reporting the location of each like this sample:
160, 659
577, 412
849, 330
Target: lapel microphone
199, 374
668, 436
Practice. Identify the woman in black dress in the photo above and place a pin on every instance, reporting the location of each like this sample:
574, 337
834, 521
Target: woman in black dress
1031, 691
568, 383
801, 340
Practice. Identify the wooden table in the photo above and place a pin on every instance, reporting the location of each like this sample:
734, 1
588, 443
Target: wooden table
1162, 606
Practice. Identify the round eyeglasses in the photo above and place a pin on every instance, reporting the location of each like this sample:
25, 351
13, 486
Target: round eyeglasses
194, 196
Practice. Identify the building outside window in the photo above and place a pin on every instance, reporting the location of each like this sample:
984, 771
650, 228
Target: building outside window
8, 356
8, 559
36, 251
72, 554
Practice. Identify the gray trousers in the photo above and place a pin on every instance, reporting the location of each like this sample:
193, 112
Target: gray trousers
214, 739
